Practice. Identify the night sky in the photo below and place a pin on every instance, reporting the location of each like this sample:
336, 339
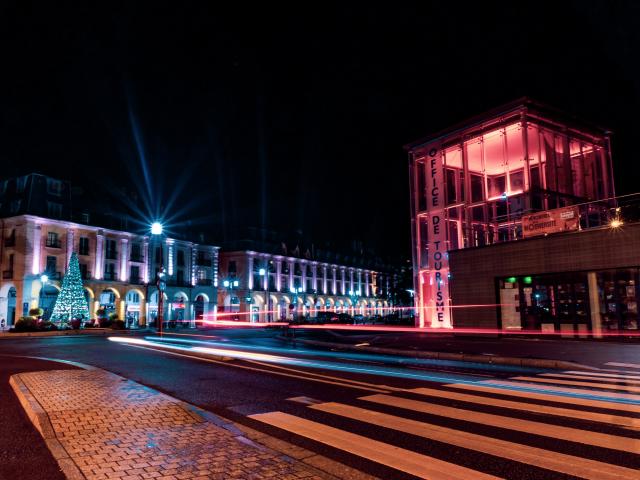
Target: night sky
293, 118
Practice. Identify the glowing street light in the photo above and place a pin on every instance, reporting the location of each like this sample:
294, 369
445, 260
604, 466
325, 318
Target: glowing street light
156, 228
44, 278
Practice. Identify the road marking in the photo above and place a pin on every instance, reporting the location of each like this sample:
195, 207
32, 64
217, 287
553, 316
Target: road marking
624, 444
330, 377
628, 365
624, 380
245, 367
603, 386
304, 400
627, 422
598, 374
407, 461
626, 407
559, 462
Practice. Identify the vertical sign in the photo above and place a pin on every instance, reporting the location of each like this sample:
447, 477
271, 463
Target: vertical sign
437, 303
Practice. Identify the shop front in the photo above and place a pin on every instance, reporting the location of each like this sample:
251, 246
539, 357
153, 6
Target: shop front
569, 302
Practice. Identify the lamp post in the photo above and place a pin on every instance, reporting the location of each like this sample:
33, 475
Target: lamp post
156, 230
263, 273
44, 278
230, 284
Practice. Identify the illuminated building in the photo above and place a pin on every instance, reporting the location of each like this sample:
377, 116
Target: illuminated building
118, 267
266, 287
507, 210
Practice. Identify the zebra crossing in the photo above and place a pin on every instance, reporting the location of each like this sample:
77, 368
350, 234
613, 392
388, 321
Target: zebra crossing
580, 424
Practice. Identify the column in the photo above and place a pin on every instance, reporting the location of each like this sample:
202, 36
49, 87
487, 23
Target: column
145, 259
359, 282
194, 263
124, 254
97, 272
366, 283
265, 279
70, 238
279, 275
324, 279
314, 277
291, 266
250, 272
351, 286
37, 248
594, 305
334, 290
343, 280
303, 276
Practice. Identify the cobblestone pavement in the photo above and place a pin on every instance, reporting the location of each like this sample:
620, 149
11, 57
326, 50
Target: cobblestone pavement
113, 428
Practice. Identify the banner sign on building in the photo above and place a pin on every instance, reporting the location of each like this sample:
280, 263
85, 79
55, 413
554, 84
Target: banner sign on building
435, 311
564, 219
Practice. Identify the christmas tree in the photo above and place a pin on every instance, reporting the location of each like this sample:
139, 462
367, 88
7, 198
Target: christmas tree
71, 303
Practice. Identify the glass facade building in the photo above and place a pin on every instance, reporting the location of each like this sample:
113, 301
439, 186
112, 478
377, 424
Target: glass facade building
477, 183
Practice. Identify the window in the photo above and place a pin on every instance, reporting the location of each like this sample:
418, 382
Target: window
54, 187
133, 297
15, 206
180, 258
51, 264
202, 274
83, 246
109, 271
180, 277
232, 267
11, 262
21, 184
136, 252
477, 188
451, 186
52, 240
112, 252
134, 274
54, 209
158, 255
83, 271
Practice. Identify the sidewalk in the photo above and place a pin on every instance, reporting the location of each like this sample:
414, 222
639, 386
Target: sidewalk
101, 426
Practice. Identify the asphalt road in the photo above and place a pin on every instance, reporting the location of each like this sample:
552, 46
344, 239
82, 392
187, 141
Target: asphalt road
474, 416
23, 453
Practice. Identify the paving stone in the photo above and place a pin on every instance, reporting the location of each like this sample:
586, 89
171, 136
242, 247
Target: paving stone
115, 429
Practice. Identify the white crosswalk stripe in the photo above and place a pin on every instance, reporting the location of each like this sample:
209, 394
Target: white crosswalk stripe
588, 411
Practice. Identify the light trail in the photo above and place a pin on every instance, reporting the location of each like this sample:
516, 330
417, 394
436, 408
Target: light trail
377, 371
370, 357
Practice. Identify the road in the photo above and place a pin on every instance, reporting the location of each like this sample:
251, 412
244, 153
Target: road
392, 417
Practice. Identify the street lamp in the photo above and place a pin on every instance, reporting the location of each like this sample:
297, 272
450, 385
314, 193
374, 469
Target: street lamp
231, 283
156, 231
263, 272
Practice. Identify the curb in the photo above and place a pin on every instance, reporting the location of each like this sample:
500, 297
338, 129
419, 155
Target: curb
318, 464
462, 357
40, 420
78, 333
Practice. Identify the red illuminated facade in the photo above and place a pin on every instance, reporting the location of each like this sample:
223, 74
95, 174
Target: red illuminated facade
478, 183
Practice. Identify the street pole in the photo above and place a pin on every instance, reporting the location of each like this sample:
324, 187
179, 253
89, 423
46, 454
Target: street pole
161, 291
156, 230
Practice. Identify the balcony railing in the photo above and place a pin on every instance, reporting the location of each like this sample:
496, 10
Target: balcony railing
136, 280
136, 257
53, 244
10, 242
203, 262
111, 255
7, 274
111, 276
205, 282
